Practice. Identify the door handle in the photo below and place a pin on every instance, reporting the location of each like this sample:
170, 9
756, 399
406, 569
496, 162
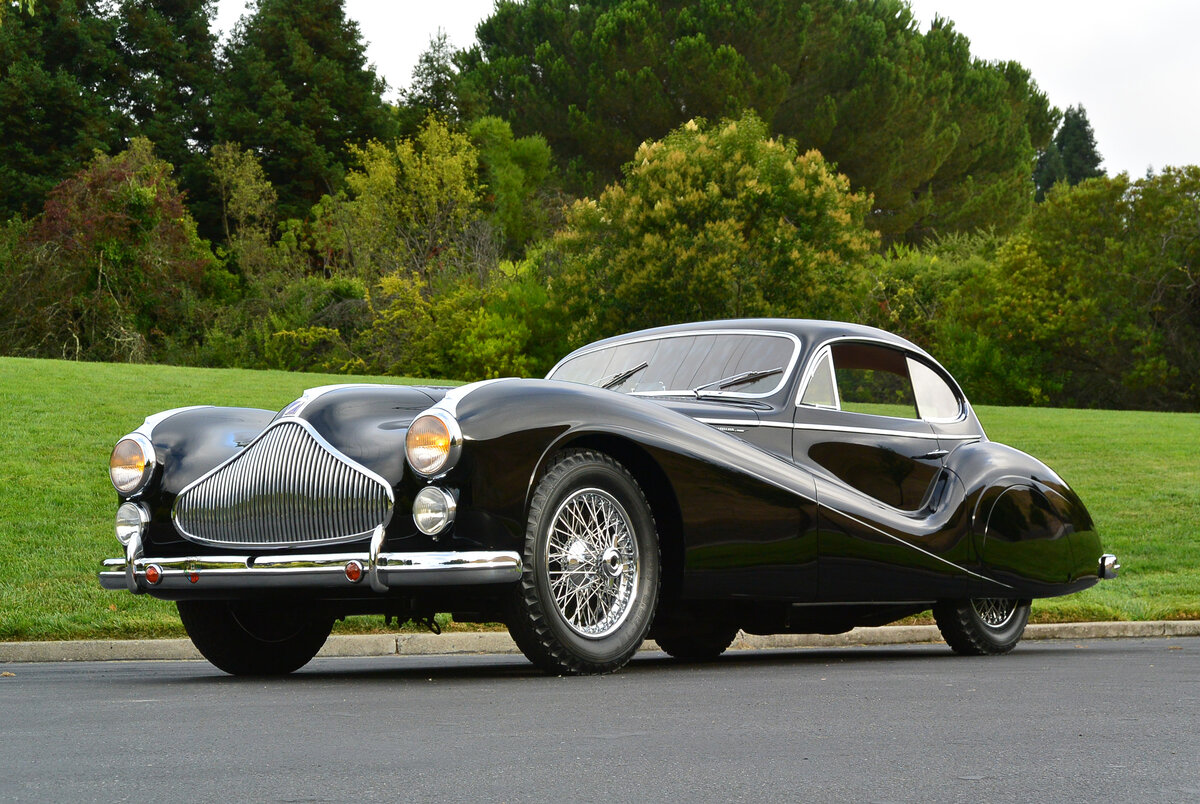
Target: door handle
930, 456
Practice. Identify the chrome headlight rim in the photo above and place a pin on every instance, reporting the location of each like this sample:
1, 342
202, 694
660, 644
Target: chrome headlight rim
149, 464
131, 521
437, 502
448, 458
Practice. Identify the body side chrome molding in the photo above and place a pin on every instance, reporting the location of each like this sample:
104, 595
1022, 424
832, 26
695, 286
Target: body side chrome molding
839, 429
908, 544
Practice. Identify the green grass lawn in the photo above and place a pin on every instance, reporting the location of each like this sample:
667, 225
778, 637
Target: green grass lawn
1138, 472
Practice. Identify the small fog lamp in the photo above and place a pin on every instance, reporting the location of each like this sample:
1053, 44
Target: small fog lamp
131, 521
433, 510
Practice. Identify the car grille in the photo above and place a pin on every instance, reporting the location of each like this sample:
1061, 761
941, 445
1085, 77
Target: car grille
288, 488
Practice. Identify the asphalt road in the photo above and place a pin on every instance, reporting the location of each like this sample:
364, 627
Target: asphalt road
1053, 721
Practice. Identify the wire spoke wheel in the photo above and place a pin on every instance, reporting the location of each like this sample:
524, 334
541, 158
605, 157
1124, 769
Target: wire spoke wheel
592, 563
982, 626
995, 612
590, 569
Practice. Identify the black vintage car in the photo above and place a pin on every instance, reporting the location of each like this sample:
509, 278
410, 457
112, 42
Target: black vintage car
775, 476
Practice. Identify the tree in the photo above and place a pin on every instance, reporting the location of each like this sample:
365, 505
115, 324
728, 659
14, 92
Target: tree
115, 268
941, 141
1071, 156
55, 84
515, 173
413, 209
28, 6
168, 64
1092, 303
596, 79
295, 88
1076, 142
712, 222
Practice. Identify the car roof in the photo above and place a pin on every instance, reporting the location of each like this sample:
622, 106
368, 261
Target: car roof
809, 331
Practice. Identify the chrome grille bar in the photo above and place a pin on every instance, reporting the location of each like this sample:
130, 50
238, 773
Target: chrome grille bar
288, 488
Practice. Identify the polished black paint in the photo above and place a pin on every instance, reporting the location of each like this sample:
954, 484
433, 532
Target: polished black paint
762, 505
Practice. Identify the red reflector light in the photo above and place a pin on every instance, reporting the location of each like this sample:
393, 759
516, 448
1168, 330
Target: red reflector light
354, 571
153, 573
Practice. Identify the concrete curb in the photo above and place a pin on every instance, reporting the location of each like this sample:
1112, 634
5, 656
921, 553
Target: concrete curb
498, 642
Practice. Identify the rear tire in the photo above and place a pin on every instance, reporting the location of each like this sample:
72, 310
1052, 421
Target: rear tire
254, 638
699, 645
982, 626
589, 585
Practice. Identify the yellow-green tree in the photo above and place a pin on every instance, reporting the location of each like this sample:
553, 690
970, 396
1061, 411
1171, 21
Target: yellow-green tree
712, 222
1094, 302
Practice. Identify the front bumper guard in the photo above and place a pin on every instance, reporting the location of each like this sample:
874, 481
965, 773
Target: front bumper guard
382, 571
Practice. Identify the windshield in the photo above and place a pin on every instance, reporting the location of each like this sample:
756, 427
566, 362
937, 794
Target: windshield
683, 363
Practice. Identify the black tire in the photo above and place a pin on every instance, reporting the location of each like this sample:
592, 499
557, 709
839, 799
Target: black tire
590, 576
699, 645
254, 638
982, 626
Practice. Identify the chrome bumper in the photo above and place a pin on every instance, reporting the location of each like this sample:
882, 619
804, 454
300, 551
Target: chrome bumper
1108, 566
375, 569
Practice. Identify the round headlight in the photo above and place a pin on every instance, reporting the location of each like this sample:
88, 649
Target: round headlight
432, 444
433, 510
131, 521
131, 464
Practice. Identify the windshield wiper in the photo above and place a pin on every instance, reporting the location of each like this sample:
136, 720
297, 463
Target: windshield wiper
738, 379
613, 380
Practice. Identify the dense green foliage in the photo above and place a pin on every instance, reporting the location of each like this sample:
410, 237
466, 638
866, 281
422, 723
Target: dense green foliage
112, 270
712, 222
1136, 471
167, 73
55, 82
942, 142
582, 168
295, 88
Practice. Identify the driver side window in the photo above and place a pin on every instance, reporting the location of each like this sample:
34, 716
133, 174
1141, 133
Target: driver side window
874, 380
880, 381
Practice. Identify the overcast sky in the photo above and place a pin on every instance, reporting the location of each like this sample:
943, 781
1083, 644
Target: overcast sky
1132, 66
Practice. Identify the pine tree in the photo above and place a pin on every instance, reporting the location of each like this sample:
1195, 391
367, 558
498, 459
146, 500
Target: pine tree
56, 80
1076, 142
1071, 156
169, 59
296, 89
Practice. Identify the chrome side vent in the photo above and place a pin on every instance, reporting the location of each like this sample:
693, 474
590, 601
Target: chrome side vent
288, 488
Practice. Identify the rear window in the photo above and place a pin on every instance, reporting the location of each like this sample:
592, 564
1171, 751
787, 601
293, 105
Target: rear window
685, 362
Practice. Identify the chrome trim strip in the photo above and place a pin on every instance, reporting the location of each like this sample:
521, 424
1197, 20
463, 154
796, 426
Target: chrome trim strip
784, 378
837, 428
312, 571
449, 402
322, 443
934, 556
154, 420
310, 395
